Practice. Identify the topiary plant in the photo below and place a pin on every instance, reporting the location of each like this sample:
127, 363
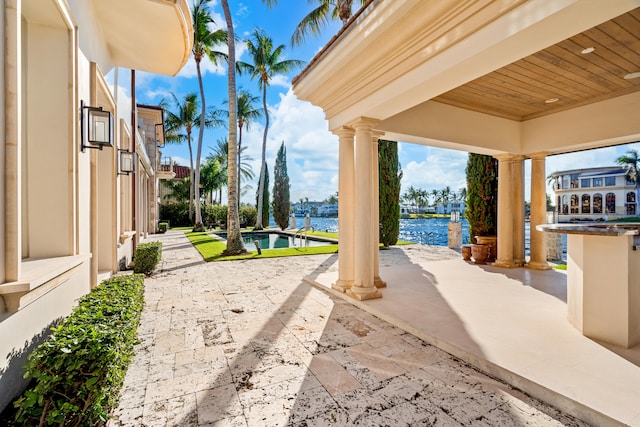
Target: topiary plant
481, 209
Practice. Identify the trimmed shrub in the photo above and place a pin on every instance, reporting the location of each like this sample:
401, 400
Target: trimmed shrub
248, 215
79, 371
390, 174
163, 227
146, 257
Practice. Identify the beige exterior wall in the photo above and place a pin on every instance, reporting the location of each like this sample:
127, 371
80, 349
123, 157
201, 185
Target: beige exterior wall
66, 214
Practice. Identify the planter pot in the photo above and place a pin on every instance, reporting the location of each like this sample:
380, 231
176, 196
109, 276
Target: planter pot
466, 252
480, 253
492, 242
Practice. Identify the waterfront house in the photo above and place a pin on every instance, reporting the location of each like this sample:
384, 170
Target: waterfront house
593, 194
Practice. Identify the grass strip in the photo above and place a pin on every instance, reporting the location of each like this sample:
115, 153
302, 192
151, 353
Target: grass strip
211, 249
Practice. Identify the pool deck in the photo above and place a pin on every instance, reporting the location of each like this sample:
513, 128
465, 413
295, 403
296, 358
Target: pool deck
510, 323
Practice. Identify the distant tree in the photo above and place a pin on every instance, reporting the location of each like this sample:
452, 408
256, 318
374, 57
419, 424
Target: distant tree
445, 197
390, 175
631, 161
482, 195
264, 198
179, 189
281, 201
332, 199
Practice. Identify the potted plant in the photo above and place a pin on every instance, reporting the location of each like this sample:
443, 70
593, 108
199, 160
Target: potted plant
481, 209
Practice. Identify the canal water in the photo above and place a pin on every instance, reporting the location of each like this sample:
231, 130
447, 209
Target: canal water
432, 231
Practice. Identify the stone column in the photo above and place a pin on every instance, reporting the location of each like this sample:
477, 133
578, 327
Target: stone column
346, 210
517, 170
538, 252
375, 215
363, 287
505, 212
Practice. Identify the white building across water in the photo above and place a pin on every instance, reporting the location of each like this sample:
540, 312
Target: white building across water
594, 194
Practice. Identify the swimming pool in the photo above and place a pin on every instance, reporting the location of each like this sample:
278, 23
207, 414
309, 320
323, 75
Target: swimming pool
275, 240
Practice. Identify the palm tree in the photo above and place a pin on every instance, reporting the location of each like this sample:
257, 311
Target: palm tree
631, 161
246, 115
267, 62
319, 17
204, 42
445, 196
179, 126
212, 177
221, 155
235, 245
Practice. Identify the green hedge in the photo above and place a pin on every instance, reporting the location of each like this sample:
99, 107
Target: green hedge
146, 257
79, 371
163, 227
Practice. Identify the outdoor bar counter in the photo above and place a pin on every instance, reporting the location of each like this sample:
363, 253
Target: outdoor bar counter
603, 280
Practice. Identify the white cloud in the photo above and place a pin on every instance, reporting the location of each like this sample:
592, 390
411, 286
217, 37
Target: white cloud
280, 80
431, 168
312, 151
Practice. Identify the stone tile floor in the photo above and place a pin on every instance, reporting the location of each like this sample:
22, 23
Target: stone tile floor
248, 343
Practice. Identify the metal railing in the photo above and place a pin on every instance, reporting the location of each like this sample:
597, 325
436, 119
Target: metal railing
302, 236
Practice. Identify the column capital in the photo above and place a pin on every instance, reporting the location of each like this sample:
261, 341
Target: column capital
344, 131
376, 135
365, 122
502, 157
539, 155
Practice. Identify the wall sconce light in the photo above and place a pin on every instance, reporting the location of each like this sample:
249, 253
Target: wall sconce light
160, 134
95, 127
127, 162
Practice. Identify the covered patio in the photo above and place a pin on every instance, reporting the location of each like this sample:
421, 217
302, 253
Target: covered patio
513, 79
516, 80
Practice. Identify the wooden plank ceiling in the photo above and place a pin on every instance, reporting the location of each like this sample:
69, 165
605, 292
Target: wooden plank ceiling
527, 88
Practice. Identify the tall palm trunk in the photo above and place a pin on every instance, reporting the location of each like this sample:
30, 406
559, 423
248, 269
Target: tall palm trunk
190, 176
239, 163
196, 182
235, 244
259, 225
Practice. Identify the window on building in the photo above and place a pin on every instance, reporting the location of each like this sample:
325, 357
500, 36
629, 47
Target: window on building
610, 206
565, 181
597, 203
585, 182
586, 203
565, 204
575, 204
597, 182
628, 181
610, 181
574, 180
631, 203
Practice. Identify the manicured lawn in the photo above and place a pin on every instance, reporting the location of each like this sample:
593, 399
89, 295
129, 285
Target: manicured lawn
560, 267
211, 249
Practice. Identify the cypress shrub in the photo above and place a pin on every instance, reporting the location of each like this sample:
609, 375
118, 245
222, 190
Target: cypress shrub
281, 198
265, 199
390, 174
482, 195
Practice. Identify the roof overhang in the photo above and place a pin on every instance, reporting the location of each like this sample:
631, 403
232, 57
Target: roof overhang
147, 35
409, 64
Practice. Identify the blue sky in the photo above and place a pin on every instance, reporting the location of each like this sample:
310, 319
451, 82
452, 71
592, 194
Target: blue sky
312, 151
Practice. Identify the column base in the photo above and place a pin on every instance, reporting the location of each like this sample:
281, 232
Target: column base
519, 262
536, 265
379, 283
363, 294
504, 263
342, 285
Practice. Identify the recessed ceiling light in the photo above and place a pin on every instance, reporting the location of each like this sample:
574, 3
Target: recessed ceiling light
632, 75
587, 50
551, 100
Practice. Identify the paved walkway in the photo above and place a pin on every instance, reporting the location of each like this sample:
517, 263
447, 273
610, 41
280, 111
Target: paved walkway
249, 343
